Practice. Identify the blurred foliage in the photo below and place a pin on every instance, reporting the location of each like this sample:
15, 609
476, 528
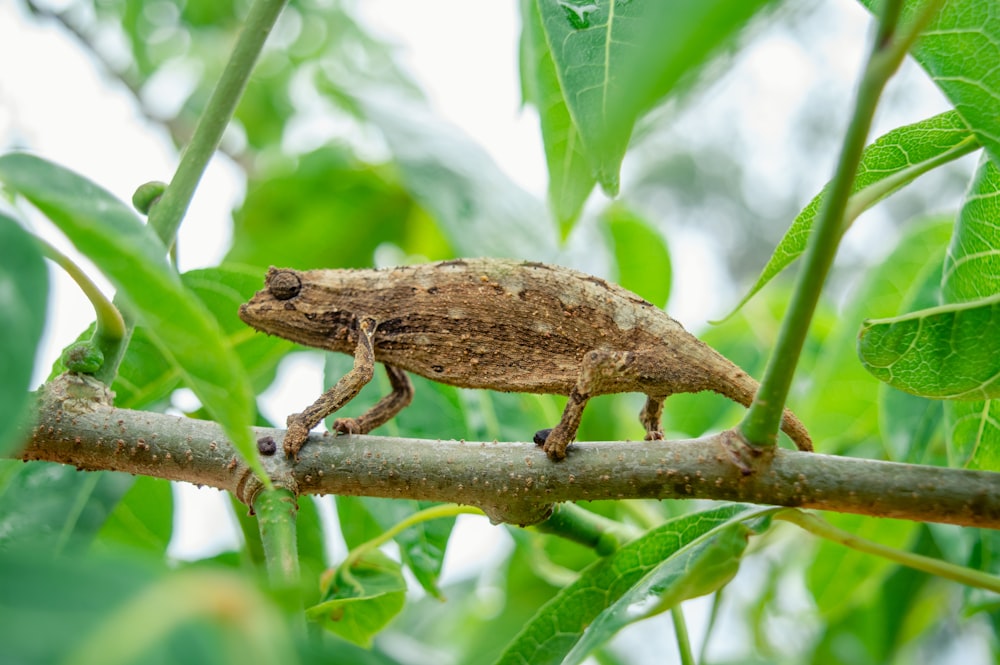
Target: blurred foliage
383, 180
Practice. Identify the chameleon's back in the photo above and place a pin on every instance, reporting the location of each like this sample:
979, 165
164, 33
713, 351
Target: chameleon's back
474, 323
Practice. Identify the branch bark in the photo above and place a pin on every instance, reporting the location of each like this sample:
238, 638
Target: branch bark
511, 482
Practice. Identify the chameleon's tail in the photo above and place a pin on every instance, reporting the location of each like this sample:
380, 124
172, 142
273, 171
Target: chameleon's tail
741, 387
793, 427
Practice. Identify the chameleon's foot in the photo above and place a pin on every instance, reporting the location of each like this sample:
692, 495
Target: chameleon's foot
654, 436
347, 426
555, 443
541, 435
295, 437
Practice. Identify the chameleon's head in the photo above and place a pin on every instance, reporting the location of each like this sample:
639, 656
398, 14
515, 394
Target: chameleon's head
290, 306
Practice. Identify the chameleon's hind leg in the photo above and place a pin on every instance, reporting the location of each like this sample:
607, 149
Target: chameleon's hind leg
598, 370
386, 408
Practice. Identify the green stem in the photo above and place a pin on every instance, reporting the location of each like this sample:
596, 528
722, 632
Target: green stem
763, 418
950, 571
166, 214
432, 513
681, 630
713, 617
275, 511
110, 325
572, 522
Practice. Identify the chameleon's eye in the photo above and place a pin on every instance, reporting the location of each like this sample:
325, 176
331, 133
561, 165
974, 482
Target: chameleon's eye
284, 284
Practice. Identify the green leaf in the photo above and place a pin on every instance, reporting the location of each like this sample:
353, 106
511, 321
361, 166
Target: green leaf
971, 271
614, 60
24, 293
55, 506
571, 178
912, 425
703, 568
946, 352
118, 610
891, 162
656, 562
363, 600
133, 258
143, 519
641, 254
959, 49
421, 547
972, 265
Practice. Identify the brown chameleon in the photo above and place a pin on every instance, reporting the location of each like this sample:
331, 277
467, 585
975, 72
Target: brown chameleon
500, 324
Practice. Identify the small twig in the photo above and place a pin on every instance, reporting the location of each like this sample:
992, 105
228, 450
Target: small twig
681, 631
937, 567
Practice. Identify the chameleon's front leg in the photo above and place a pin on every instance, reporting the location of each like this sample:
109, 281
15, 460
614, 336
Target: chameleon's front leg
343, 392
597, 368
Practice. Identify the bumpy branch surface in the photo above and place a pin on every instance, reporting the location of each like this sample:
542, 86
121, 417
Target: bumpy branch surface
511, 482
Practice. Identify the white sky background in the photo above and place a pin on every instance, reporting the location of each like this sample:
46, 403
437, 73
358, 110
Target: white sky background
57, 102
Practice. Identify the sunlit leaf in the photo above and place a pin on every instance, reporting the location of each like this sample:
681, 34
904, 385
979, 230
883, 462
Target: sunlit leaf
888, 164
24, 294
947, 352
132, 257
959, 49
912, 425
971, 271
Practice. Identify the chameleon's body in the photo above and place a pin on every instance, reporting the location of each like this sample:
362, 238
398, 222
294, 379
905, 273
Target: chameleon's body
492, 323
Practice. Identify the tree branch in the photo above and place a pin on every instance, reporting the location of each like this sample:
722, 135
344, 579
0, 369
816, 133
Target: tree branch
511, 482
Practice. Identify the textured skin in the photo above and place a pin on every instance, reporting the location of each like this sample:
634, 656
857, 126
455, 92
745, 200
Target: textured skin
499, 324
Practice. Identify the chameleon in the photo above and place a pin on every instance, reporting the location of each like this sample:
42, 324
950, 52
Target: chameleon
499, 324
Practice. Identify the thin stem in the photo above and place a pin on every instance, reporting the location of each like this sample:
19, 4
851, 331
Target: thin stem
586, 528
712, 618
683, 640
950, 571
275, 511
166, 214
110, 324
432, 513
760, 425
